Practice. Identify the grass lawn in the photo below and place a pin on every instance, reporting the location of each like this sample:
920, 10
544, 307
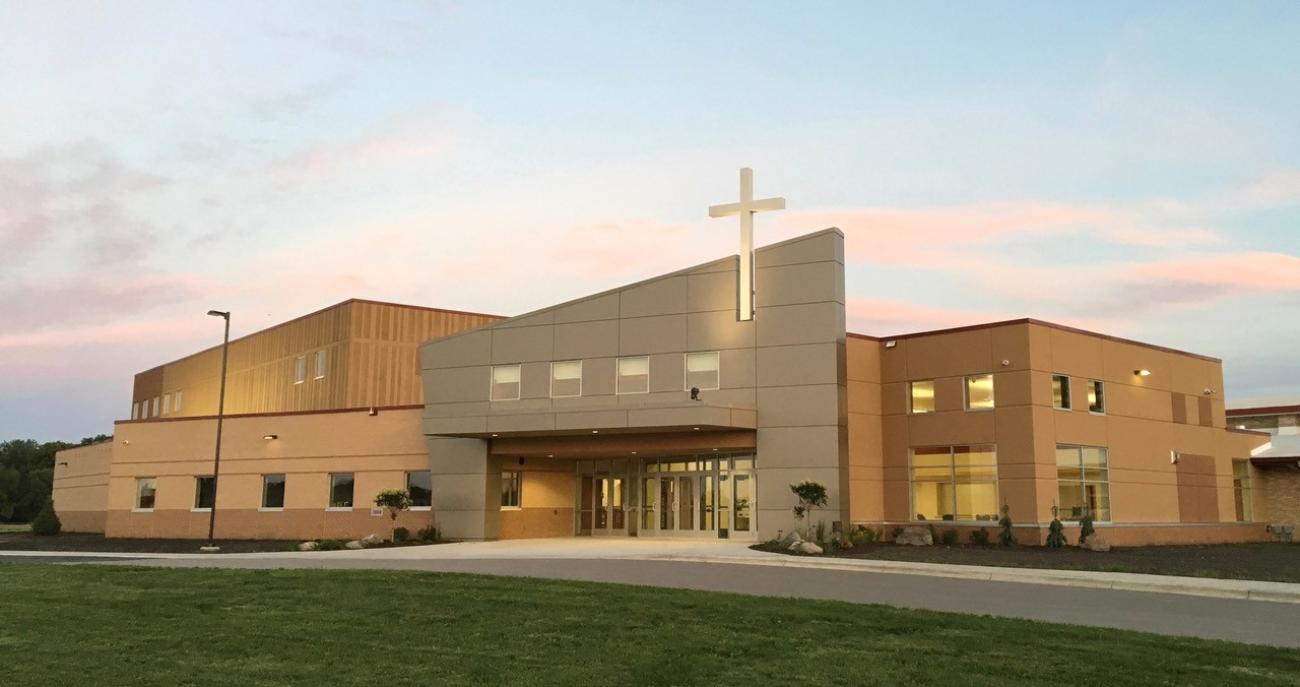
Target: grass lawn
100, 625
15, 527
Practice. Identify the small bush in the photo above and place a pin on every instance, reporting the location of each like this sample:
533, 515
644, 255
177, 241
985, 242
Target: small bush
1055, 532
47, 522
895, 533
821, 531
866, 536
401, 534
949, 537
980, 537
427, 534
934, 533
331, 545
1085, 528
1006, 536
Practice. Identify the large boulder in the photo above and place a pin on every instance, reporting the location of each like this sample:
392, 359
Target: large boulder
1097, 543
789, 541
371, 540
808, 548
915, 536
308, 546
354, 544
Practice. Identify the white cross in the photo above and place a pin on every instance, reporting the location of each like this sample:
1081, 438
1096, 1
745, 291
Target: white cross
746, 209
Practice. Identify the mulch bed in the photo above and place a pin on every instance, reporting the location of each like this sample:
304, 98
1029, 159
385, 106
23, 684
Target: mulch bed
1272, 562
97, 543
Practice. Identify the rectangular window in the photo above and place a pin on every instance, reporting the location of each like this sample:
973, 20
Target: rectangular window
1083, 482
157, 406
145, 491
505, 383
1096, 396
135, 410
299, 369
1061, 392
322, 358
273, 491
1241, 491
167, 404
511, 482
633, 375
341, 484
979, 392
921, 396
205, 492
420, 487
702, 371
955, 483
566, 379
176, 402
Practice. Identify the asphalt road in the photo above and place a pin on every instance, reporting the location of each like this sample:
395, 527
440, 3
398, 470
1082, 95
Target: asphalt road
1254, 622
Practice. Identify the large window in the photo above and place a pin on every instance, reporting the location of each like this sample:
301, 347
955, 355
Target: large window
135, 410
702, 371
322, 359
156, 406
341, 484
299, 369
176, 401
145, 491
511, 483
1241, 491
505, 383
273, 492
419, 485
566, 379
205, 492
167, 404
1061, 392
633, 375
979, 392
920, 397
1083, 482
955, 483
1096, 396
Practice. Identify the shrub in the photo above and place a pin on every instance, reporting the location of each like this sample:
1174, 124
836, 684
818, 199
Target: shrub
895, 533
47, 522
934, 533
1085, 527
821, 531
980, 537
331, 545
427, 534
865, 536
401, 534
949, 537
1005, 536
1055, 531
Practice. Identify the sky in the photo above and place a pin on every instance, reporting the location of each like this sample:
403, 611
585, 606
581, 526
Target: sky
1132, 168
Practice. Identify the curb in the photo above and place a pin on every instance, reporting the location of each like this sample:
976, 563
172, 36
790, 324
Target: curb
1249, 590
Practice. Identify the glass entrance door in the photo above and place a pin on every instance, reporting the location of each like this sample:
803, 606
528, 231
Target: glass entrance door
602, 503
688, 496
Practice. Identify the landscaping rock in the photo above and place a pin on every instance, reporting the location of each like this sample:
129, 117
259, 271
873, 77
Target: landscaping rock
354, 544
807, 547
915, 536
1284, 533
1097, 543
308, 546
790, 540
371, 540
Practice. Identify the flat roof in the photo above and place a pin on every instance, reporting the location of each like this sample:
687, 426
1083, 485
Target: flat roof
1264, 410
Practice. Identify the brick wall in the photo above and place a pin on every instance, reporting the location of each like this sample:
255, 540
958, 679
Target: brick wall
1277, 495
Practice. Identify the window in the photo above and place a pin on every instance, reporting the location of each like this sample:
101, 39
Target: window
505, 383
322, 357
955, 483
341, 484
157, 406
702, 371
566, 379
205, 492
1096, 396
633, 375
1061, 392
510, 489
1241, 491
273, 491
135, 410
420, 487
979, 392
1083, 482
145, 491
176, 402
299, 369
167, 403
920, 396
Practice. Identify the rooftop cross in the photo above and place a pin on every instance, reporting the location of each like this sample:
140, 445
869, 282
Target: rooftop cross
746, 209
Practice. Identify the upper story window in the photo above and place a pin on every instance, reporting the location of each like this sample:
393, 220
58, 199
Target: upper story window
505, 383
135, 410
1061, 392
920, 396
145, 493
979, 392
176, 401
1096, 396
1082, 482
633, 375
702, 371
322, 358
157, 407
299, 369
566, 378
167, 403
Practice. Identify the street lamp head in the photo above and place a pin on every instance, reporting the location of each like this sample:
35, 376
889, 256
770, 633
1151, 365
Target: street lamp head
218, 313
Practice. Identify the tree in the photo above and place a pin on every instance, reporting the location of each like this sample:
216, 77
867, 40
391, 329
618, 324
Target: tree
811, 495
27, 475
47, 522
394, 501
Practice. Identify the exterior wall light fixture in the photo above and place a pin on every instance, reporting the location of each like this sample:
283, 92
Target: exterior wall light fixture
1142, 372
270, 437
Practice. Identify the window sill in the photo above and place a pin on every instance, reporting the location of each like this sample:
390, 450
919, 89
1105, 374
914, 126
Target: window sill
420, 509
339, 509
631, 393
981, 410
141, 510
512, 508
1068, 410
200, 510
270, 510
567, 396
1102, 413
318, 378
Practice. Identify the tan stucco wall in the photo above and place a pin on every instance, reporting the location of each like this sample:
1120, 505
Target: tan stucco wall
81, 486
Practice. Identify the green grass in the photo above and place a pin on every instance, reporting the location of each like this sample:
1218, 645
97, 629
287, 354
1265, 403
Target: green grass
101, 625
15, 527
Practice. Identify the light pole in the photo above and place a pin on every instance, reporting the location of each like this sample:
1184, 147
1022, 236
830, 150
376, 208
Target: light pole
221, 411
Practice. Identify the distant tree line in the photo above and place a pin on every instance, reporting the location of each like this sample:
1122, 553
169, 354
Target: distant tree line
27, 475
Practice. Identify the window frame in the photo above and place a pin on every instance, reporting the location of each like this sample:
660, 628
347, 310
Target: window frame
198, 492
1097, 387
1067, 390
952, 479
167, 403
139, 482
911, 397
1084, 482
299, 369
965, 392
516, 478
408, 489
618, 375
564, 362
176, 400
284, 489
329, 502
135, 410
157, 406
686, 370
492, 382
320, 364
